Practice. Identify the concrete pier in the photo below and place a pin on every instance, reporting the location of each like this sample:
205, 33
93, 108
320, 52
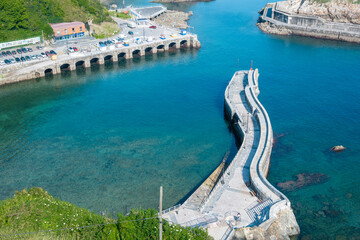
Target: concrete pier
86, 59
276, 21
239, 197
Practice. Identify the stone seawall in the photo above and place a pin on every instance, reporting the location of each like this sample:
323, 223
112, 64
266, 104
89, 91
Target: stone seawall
242, 203
280, 22
74, 61
281, 223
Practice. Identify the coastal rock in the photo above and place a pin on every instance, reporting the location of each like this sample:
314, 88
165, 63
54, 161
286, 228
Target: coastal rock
338, 148
303, 180
334, 10
284, 226
173, 18
269, 28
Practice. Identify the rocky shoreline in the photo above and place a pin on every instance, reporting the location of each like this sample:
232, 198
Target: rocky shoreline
332, 20
176, 19
343, 11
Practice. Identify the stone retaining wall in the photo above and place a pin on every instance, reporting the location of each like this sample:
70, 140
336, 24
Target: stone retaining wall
275, 21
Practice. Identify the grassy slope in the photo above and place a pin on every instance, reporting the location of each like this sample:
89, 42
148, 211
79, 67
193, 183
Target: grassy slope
27, 18
35, 210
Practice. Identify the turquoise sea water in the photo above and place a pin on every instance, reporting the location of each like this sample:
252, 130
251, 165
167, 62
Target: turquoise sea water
108, 137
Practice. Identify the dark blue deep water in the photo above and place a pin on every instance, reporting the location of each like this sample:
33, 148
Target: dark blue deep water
108, 137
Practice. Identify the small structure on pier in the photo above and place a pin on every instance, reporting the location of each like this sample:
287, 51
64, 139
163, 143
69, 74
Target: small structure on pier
147, 13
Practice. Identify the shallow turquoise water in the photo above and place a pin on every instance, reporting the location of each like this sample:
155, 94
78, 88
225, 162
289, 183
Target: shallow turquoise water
106, 139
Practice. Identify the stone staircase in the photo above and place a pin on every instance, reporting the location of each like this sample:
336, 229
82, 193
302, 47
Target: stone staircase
259, 212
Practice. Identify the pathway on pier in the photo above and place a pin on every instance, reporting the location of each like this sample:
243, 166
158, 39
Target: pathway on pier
231, 202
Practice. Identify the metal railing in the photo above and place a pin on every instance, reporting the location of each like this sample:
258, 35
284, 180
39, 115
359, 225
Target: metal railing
171, 209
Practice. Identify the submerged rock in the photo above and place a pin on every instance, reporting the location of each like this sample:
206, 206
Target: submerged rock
338, 148
303, 180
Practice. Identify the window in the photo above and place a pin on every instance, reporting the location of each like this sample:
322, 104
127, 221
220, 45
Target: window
80, 29
73, 30
65, 31
58, 32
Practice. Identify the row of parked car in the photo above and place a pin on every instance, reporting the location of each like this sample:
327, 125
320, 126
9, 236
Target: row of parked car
17, 51
26, 58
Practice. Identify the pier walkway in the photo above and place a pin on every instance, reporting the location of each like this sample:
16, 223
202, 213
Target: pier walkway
240, 196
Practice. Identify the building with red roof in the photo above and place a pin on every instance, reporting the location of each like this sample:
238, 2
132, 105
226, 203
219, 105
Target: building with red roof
68, 30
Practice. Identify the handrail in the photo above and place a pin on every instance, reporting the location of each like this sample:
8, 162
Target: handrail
268, 142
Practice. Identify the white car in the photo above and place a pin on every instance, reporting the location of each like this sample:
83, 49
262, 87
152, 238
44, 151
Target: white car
71, 50
150, 39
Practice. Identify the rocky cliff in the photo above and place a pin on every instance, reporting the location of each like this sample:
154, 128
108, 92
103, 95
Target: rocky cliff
347, 11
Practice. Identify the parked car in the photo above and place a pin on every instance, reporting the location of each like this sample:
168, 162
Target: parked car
8, 53
17, 60
39, 47
33, 57
7, 61
19, 51
162, 37
43, 55
24, 50
3, 54
71, 50
52, 52
23, 59
152, 27
130, 33
13, 52
75, 49
173, 35
47, 53
27, 58
2, 63
12, 60
29, 49
183, 32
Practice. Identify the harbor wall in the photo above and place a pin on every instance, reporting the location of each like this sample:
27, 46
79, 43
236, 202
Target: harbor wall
286, 226
275, 21
72, 62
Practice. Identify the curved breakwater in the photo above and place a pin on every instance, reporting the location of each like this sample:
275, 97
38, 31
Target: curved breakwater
241, 197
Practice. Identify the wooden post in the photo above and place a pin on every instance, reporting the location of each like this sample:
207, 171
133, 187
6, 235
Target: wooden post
160, 213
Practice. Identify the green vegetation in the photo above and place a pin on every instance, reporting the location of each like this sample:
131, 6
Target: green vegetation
35, 210
120, 15
21, 19
105, 30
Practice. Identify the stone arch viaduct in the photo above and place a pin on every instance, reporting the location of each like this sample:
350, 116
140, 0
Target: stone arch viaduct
87, 59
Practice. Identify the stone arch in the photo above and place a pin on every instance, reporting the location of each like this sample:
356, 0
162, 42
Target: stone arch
122, 55
172, 45
94, 61
65, 67
49, 71
148, 50
109, 58
161, 47
80, 63
184, 43
136, 53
